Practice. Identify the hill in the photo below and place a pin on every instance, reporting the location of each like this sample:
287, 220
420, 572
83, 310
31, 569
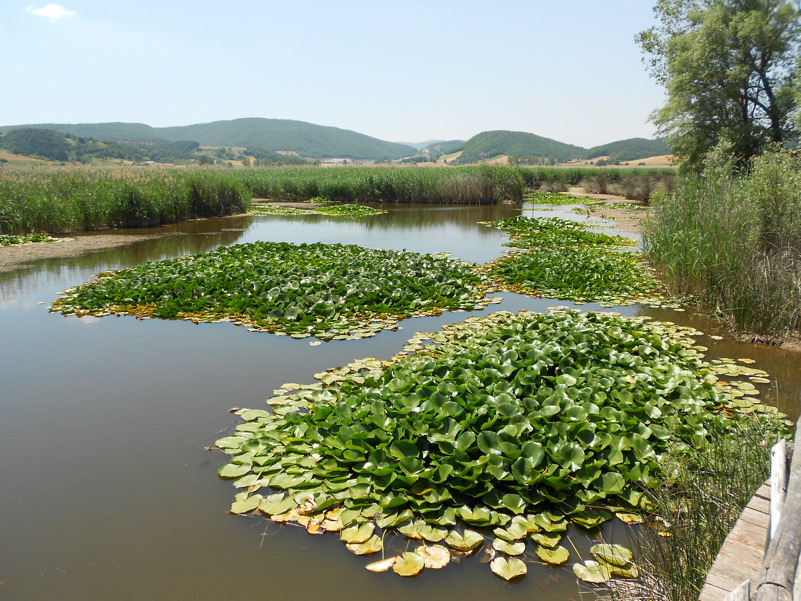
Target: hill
630, 149
491, 144
305, 139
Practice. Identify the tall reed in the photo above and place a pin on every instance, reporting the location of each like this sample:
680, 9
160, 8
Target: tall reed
703, 494
733, 240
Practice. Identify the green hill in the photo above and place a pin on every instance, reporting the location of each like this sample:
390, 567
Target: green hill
56, 146
306, 139
267, 136
491, 144
107, 132
630, 150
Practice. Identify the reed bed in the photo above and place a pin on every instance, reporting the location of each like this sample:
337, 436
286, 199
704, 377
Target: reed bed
78, 198
733, 240
62, 200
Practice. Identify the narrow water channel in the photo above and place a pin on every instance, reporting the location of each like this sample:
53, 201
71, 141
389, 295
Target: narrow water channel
106, 489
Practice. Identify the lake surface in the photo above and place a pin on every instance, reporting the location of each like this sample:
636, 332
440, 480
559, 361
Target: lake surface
106, 489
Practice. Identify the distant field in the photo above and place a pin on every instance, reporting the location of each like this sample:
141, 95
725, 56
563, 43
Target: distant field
664, 160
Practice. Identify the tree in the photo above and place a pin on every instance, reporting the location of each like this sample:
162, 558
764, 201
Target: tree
730, 69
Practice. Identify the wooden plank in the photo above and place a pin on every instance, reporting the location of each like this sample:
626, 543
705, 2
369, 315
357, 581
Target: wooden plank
741, 593
710, 592
741, 555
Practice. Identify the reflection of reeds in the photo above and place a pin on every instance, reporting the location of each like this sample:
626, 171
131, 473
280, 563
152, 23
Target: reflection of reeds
704, 494
735, 243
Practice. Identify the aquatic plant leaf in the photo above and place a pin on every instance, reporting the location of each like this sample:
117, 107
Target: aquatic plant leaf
592, 572
434, 556
616, 555
509, 548
357, 534
555, 556
508, 568
247, 505
372, 545
466, 541
382, 565
231, 470
409, 564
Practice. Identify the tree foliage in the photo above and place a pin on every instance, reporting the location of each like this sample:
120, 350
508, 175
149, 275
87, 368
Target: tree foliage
730, 68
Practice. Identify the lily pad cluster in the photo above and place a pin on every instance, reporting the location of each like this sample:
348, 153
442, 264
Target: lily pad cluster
520, 423
567, 262
542, 197
548, 232
345, 210
11, 239
330, 291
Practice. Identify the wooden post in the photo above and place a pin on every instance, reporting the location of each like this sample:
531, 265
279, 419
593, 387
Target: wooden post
781, 560
778, 484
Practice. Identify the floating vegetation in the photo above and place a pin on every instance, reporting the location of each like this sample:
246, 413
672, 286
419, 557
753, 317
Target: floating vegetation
344, 210
547, 232
524, 423
567, 262
558, 198
330, 291
10, 239
582, 274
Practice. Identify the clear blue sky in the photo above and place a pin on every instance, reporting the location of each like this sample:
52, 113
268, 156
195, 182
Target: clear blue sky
400, 70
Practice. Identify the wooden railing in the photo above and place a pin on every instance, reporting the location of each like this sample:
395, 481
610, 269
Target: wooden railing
777, 580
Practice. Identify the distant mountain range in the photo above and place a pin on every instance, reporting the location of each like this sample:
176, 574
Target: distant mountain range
322, 142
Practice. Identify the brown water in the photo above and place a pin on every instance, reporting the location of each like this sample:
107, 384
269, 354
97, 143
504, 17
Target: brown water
106, 491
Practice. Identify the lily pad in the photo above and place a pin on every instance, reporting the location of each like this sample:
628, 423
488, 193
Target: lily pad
612, 554
409, 564
509, 548
508, 568
435, 556
555, 556
467, 541
592, 572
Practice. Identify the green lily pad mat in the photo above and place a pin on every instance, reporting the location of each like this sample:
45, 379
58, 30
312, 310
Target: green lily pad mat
565, 261
344, 210
11, 239
523, 422
331, 291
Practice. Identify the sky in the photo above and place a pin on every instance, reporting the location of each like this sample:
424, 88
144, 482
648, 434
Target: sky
398, 70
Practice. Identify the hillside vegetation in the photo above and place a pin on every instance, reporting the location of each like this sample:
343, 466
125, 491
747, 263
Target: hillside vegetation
263, 138
55, 146
629, 150
489, 144
305, 139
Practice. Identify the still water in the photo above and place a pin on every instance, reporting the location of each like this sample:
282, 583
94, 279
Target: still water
106, 491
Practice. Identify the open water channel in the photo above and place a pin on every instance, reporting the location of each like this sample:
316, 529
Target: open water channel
106, 490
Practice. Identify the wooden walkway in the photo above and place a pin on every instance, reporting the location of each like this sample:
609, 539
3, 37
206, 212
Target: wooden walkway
743, 551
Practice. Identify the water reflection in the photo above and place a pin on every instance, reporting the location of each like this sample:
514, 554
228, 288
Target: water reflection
106, 489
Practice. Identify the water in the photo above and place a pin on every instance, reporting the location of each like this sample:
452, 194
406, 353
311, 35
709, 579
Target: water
106, 489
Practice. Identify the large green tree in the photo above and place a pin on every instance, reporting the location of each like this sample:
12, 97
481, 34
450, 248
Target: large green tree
730, 69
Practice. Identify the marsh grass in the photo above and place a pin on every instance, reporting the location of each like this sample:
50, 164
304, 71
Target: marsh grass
62, 200
704, 492
734, 241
